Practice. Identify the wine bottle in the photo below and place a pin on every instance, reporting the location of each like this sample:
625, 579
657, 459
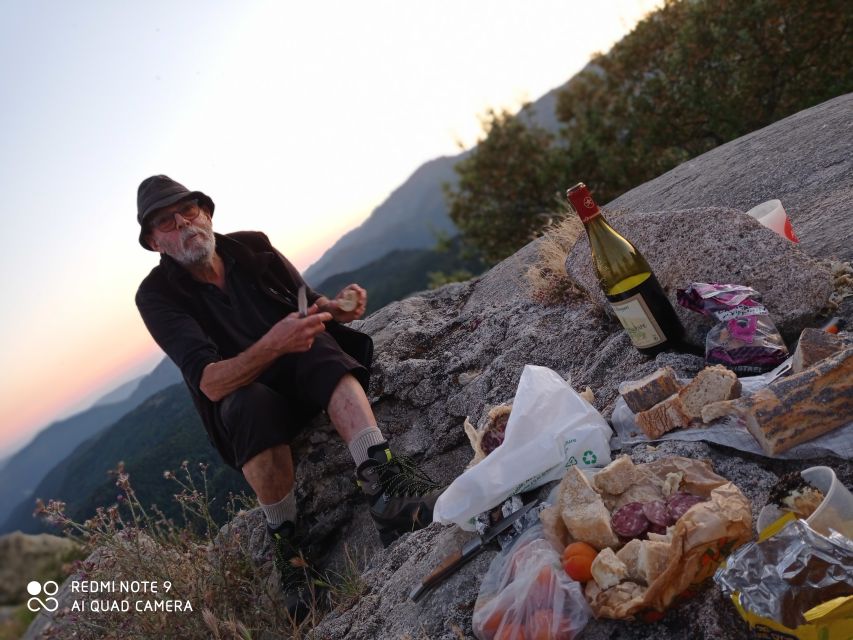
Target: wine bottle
627, 280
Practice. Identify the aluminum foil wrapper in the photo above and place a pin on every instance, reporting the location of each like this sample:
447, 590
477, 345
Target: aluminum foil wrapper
786, 575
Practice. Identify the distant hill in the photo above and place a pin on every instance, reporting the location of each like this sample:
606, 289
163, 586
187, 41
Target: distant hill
412, 215
122, 392
400, 273
25, 469
156, 436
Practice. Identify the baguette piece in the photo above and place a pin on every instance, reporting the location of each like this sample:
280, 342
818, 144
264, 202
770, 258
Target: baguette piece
664, 416
721, 409
803, 406
712, 384
652, 559
607, 570
643, 394
616, 477
814, 345
583, 511
630, 555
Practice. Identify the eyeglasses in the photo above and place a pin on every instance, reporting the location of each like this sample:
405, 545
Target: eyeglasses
165, 222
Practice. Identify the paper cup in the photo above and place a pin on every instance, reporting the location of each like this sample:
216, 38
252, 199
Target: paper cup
772, 215
836, 510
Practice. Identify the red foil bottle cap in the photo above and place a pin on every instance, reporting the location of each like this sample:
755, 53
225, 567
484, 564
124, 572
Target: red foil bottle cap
582, 202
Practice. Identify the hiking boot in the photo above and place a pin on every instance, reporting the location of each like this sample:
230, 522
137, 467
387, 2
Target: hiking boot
401, 496
293, 570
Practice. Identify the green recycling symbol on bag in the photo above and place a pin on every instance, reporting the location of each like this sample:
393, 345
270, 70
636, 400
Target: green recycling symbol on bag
589, 457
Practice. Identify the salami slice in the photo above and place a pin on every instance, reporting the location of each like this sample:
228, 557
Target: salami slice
656, 528
629, 521
656, 512
679, 503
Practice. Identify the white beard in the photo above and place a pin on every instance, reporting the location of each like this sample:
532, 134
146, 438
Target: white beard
199, 251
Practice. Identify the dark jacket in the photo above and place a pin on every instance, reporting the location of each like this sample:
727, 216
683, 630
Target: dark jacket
192, 338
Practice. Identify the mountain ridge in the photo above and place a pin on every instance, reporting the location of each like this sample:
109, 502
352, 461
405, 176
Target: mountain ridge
415, 212
23, 471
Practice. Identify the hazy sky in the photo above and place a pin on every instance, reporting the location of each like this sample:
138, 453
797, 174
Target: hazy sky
296, 118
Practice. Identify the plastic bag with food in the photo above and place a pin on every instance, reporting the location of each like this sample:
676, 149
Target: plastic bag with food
551, 427
744, 339
526, 594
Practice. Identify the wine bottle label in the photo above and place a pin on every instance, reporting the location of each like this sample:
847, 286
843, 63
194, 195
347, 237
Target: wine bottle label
638, 321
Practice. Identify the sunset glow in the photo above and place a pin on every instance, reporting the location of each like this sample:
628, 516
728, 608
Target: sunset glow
296, 118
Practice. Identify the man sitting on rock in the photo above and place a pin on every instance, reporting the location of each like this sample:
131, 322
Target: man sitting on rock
224, 308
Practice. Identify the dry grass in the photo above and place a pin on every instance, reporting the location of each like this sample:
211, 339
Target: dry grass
212, 569
548, 280
842, 285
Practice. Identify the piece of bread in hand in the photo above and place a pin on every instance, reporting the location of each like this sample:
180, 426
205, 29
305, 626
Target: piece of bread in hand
712, 384
643, 394
616, 477
583, 511
607, 569
663, 417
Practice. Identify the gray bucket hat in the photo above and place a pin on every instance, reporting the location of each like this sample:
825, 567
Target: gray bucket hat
158, 192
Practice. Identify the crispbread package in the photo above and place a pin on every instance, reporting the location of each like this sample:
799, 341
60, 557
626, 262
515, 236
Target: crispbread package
689, 553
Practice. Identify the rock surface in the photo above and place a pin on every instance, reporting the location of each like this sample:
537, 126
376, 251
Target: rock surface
455, 352
805, 160
27, 557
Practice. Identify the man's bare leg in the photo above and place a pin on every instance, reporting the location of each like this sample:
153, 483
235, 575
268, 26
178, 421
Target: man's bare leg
349, 409
270, 474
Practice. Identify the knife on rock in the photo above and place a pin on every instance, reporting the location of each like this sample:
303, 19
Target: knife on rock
454, 561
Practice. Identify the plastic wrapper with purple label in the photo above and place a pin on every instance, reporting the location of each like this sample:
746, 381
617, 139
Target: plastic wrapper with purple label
744, 339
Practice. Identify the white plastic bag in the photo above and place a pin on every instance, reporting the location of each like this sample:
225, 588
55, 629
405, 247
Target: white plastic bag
551, 428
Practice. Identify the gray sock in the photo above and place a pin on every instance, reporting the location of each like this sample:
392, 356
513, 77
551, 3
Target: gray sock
362, 441
283, 510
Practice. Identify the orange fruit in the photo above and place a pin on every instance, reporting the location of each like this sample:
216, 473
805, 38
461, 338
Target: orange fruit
541, 591
511, 631
577, 560
493, 622
539, 625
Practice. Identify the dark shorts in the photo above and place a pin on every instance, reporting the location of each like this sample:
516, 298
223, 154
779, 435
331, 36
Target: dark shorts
281, 402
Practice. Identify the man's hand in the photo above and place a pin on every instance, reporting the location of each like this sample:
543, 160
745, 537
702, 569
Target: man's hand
340, 307
293, 334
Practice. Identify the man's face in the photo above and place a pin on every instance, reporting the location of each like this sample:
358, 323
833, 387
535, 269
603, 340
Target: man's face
183, 231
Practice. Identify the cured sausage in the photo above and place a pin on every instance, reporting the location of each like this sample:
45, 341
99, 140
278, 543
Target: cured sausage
679, 503
657, 513
629, 521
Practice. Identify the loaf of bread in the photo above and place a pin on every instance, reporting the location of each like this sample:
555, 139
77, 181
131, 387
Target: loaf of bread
616, 477
643, 394
583, 511
663, 417
712, 384
816, 344
803, 406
